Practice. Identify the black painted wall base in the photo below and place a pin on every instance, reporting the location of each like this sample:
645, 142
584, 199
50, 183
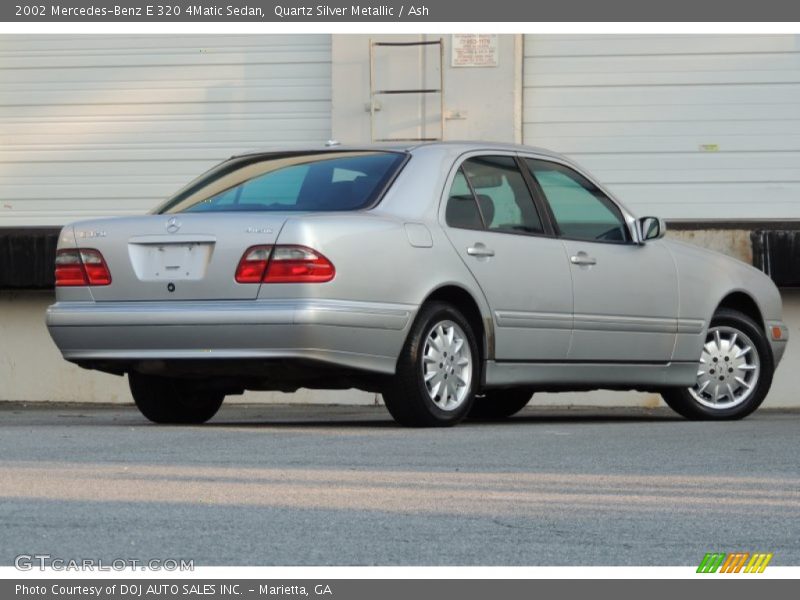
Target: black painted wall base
27, 257
777, 253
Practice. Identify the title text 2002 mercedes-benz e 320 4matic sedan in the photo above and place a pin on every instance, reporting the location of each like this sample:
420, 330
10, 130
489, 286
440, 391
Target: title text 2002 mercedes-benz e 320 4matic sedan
454, 278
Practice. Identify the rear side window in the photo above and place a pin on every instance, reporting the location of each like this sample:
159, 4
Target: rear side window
501, 200
462, 210
330, 181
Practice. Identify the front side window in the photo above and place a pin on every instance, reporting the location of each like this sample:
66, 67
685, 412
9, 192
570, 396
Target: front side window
581, 210
329, 181
501, 199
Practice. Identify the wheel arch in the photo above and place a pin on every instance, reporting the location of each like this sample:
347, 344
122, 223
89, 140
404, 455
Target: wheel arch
480, 321
681, 400
744, 303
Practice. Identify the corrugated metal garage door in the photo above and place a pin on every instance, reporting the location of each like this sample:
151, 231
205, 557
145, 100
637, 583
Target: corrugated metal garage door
110, 125
686, 127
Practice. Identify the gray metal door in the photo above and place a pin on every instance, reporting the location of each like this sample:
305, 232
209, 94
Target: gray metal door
626, 302
625, 294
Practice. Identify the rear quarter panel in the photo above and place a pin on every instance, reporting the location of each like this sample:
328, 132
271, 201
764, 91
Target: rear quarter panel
376, 262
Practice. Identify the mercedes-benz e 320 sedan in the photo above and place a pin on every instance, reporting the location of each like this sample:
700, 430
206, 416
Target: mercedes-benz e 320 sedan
454, 278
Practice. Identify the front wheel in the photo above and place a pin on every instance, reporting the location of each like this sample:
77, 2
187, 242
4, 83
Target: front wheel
734, 373
169, 400
437, 370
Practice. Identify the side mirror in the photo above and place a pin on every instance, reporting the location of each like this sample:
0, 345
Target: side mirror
651, 228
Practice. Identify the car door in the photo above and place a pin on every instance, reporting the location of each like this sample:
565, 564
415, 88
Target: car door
625, 294
493, 222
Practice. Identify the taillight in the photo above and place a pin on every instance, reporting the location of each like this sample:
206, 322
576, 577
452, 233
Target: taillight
284, 264
297, 264
81, 266
253, 264
69, 269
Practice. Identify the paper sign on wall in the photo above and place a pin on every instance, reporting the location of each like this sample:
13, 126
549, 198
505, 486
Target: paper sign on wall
473, 50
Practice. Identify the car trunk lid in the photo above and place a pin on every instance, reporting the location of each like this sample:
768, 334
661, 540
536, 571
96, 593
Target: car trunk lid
177, 257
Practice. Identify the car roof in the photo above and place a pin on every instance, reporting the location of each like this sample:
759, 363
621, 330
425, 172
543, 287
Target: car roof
408, 146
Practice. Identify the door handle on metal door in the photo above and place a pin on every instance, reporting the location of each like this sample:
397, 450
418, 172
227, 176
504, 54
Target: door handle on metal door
582, 259
480, 250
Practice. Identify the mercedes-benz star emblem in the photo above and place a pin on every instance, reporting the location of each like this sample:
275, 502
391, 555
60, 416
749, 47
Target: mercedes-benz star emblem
173, 225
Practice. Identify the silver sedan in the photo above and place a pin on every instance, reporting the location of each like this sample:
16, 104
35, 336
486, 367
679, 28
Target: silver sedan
455, 278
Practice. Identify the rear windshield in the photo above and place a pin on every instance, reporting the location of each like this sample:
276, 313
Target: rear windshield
327, 181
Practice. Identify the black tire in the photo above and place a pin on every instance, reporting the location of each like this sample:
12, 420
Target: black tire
681, 400
500, 404
406, 396
173, 401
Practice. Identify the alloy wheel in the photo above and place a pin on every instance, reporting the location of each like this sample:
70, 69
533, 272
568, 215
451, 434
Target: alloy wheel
447, 365
728, 370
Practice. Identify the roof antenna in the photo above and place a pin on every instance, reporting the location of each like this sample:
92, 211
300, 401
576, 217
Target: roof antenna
330, 143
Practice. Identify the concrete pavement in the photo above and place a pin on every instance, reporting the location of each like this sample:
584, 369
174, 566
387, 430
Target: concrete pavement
282, 485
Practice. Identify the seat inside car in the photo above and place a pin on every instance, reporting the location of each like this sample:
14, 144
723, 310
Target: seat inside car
461, 211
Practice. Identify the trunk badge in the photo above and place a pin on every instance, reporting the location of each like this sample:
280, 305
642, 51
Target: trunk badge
92, 234
173, 225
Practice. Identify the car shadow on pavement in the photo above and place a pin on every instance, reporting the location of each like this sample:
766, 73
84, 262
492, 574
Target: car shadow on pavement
377, 418
295, 416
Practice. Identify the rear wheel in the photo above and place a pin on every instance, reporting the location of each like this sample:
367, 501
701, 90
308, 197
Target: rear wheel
734, 373
437, 370
500, 404
173, 401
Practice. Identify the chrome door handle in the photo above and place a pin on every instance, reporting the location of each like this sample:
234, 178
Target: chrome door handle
583, 259
480, 250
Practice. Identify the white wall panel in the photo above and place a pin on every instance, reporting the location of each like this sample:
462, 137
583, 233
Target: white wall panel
686, 127
110, 125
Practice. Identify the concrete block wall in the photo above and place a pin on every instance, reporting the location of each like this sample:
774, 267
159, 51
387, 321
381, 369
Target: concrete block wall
32, 370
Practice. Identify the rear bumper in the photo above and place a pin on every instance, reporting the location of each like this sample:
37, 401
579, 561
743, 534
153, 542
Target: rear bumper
359, 335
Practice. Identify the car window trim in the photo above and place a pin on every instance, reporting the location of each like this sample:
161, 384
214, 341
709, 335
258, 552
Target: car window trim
548, 231
390, 181
514, 158
539, 199
559, 233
